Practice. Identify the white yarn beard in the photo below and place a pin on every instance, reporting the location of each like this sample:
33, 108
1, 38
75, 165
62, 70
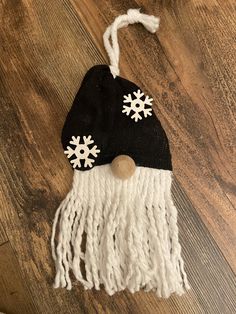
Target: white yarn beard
131, 233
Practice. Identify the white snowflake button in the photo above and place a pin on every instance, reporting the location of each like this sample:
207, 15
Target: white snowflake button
139, 107
82, 151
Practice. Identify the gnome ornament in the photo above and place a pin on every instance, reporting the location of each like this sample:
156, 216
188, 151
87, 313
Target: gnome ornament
118, 223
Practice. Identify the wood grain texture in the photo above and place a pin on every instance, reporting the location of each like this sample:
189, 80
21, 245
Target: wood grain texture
14, 296
3, 235
46, 48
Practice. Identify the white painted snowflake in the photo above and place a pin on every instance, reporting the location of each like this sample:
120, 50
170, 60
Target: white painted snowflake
82, 151
137, 106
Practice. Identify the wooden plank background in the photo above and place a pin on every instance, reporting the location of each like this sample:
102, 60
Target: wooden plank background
189, 68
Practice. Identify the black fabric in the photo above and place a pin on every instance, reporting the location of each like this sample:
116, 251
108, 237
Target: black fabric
97, 111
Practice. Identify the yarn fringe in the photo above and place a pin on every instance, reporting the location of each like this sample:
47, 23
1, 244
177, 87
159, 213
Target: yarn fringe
123, 233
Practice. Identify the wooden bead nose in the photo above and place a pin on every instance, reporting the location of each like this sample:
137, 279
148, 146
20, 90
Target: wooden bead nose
123, 167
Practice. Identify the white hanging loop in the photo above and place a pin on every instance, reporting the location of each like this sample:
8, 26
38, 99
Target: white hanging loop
150, 22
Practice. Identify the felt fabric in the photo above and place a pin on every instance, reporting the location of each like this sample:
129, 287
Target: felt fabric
97, 111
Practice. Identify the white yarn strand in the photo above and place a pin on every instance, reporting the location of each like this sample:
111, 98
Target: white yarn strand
150, 22
131, 233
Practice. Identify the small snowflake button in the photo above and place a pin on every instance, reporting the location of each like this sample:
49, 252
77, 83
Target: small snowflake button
137, 108
82, 151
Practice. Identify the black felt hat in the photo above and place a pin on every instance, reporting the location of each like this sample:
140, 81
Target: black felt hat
113, 116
